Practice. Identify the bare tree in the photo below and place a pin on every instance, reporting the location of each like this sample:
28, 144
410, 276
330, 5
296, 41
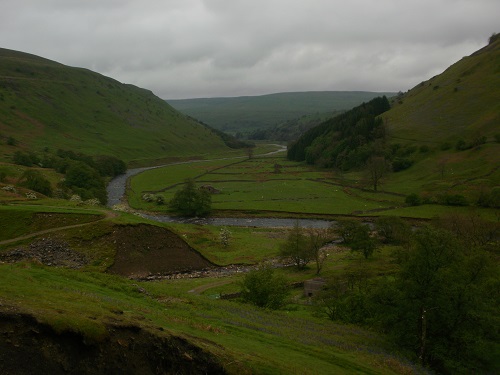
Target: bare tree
377, 168
317, 240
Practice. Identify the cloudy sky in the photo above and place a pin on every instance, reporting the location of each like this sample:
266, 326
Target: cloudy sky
207, 48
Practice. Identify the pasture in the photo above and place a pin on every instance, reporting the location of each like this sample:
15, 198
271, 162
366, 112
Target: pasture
261, 184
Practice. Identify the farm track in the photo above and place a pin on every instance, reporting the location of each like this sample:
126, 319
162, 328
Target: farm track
107, 215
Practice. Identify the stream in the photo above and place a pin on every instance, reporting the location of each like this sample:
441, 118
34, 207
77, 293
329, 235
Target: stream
116, 194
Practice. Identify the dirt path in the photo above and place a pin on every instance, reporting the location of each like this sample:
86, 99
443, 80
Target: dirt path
107, 215
200, 289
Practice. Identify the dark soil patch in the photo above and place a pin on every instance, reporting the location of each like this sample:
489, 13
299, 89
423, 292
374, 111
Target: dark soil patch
29, 347
143, 250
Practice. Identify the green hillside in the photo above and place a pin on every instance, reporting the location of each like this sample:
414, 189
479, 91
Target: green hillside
44, 104
462, 102
441, 139
248, 113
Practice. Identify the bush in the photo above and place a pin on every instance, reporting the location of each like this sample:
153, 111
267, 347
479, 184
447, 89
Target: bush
160, 200
27, 159
452, 200
400, 164
85, 181
34, 180
110, 166
413, 200
461, 145
356, 236
190, 201
393, 229
264, 288
489, 198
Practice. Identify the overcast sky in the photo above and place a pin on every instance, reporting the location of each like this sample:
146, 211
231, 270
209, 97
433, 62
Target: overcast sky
207, 48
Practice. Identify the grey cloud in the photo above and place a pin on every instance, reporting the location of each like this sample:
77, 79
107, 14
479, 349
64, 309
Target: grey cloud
194, 48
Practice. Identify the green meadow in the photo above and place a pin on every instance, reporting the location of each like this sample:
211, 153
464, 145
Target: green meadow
261, 184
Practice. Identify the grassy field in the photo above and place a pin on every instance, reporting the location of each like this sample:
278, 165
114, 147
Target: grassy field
256, 185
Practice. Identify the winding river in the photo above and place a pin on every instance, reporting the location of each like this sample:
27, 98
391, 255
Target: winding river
116, 194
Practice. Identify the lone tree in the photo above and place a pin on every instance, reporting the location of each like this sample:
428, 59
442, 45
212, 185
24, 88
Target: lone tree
297, 247
377, 168
317, 238
190, 201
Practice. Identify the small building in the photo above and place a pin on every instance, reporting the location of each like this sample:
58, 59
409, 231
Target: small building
313, 286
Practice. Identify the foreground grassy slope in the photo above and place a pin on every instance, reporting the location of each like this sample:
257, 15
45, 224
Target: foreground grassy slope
462, 102
47, 104
246, 113
241, 338
244, 339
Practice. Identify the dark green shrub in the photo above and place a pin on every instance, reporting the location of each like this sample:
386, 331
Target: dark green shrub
11, 141
489, 198
34, 180
452, 200
400, 164
27, 159
357, 236
160, 200
393, 229
461, 145
85, 181
264, 288
413, 200
190, 201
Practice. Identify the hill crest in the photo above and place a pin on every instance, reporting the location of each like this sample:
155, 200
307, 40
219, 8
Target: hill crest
46, 104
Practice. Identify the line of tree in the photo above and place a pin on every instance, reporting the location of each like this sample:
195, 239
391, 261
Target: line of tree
84, 175
345, 141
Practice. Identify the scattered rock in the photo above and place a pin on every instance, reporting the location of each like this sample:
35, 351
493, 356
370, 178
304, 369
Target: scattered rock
50, 252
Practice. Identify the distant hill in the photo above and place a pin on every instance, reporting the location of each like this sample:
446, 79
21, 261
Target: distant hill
44, 104
248, 113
